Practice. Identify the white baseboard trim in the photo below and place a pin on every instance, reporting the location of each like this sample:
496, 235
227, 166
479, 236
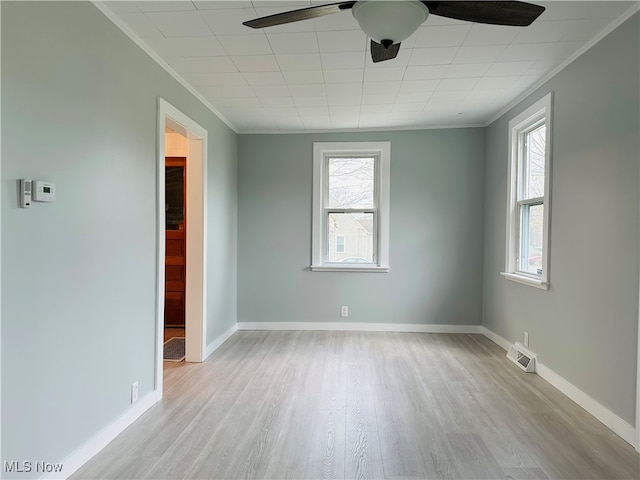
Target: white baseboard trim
606, 416
361, 327
213, 346
81, 456
497, 339
616, 424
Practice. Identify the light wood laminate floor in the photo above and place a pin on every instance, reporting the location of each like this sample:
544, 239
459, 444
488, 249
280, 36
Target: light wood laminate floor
315, 405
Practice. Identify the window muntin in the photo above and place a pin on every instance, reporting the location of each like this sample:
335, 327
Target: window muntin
351, 206
527, 256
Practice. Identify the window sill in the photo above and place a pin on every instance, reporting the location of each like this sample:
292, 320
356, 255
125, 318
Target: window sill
525, 280
350, 268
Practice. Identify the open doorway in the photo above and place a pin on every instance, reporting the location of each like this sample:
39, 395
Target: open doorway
194, 228
176, 154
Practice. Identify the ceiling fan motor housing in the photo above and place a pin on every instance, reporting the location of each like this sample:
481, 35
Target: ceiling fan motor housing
389, 23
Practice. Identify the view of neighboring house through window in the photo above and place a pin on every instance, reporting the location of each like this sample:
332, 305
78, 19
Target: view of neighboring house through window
351, 206
527, 257
339, 243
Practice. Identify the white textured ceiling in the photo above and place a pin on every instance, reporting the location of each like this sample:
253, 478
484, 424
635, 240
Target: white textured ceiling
318, 74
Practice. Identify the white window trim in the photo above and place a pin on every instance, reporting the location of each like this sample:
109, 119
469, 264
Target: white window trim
542, 108
318, 242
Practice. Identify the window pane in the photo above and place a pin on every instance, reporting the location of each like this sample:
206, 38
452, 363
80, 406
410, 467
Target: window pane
351, 182
340, 244
356, 230
531, 239
534, 162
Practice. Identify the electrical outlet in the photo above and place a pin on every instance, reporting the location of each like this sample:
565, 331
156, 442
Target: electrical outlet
344, 311
134, 392
526, 339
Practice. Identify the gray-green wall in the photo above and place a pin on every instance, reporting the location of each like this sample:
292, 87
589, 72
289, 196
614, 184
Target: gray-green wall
79, 108
585, 327
435, 233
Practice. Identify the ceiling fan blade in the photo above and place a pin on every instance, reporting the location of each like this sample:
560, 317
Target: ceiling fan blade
517, 14
297, 15
379, 53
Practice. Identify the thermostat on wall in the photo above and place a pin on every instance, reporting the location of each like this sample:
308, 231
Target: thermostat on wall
44, 191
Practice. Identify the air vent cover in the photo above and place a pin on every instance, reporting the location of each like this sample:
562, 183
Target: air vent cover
522, 357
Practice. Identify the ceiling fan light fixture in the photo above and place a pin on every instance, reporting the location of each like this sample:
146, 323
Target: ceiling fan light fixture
395, 21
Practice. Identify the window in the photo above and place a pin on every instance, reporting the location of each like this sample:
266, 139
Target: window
351, 206
527, 255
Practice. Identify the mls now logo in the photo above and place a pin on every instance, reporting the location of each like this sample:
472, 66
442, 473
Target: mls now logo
26, 467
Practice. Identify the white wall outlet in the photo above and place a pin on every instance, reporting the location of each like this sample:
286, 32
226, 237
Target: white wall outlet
134, 392
344, 311
526, 339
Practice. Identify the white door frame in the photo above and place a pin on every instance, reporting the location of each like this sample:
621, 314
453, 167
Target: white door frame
196, 235
637, 445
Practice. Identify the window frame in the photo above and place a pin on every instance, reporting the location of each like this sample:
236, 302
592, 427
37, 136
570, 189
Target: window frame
540, 113
322, 151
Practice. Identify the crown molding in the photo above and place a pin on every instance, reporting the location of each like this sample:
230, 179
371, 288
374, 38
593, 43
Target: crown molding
361, 130
138, 41
581, 51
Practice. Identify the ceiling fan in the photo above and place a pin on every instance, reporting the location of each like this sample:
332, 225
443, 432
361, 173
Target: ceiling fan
388, 23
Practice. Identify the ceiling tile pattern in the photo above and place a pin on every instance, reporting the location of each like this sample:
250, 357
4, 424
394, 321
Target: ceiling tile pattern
318, 75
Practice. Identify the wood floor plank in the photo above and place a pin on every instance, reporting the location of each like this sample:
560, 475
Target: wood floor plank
315, 405
363, 458
327, 450
181, 455
291, 443
326, 459
249, 459
129, 467
472, 457
434, 451
397, 444
525, 474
